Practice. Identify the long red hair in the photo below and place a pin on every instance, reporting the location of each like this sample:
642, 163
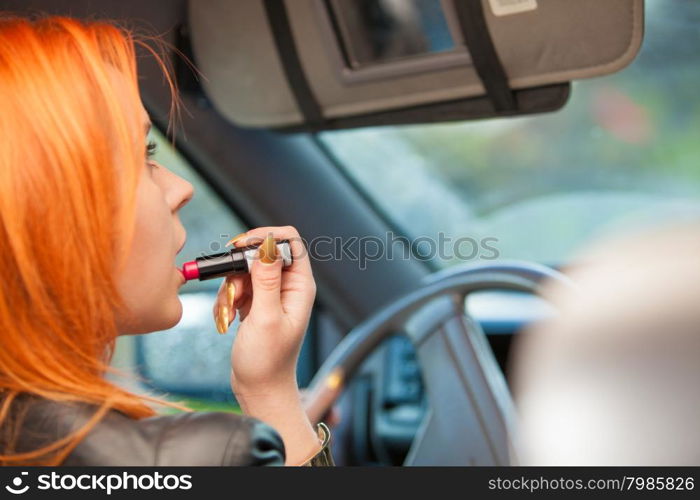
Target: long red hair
70, 159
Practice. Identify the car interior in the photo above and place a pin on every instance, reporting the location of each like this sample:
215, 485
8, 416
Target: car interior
440, 158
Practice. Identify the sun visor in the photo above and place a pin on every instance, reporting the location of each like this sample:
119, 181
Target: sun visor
326, 64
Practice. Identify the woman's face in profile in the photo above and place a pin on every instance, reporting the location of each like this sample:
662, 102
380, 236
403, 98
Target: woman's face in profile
150, 282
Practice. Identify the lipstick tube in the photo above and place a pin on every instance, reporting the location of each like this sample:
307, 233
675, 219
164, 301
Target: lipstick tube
235, 261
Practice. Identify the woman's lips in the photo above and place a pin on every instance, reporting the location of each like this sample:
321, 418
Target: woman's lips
179, 271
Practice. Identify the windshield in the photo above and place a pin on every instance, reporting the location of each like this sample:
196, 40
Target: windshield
623, 153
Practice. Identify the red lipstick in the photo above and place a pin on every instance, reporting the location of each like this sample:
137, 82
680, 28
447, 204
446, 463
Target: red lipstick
235, 261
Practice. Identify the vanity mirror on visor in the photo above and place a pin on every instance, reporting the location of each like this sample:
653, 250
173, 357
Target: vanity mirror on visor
329, 64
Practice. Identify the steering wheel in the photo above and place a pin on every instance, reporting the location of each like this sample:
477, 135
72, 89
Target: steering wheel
471, 413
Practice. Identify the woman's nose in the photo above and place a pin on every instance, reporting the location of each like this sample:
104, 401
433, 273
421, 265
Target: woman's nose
183, 193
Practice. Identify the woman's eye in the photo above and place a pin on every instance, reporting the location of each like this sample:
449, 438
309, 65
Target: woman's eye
150, 149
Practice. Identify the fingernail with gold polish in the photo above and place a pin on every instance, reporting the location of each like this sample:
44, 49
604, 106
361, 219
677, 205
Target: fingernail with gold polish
216, 318
230, 293
222, 319
236, 238
268, 250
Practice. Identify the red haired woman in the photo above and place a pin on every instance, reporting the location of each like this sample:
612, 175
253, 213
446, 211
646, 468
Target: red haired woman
89, 230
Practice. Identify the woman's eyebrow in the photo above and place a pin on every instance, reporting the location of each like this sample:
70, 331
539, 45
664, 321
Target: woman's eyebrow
148, 127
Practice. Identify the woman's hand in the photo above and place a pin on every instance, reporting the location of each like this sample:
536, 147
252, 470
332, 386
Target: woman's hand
274, 307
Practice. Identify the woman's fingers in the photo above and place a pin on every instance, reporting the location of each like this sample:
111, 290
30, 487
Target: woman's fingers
300, 260
298, 285
266, 281
230, 295
266, 290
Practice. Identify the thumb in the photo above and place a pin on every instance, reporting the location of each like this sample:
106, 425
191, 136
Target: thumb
266, 280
